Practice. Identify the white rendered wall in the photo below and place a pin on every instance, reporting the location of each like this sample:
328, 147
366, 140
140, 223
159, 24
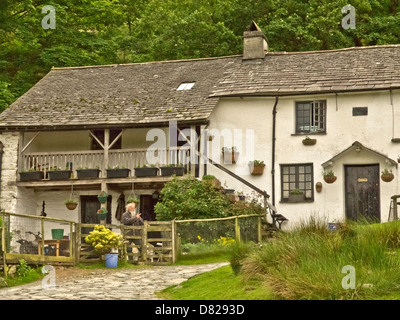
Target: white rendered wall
374, 131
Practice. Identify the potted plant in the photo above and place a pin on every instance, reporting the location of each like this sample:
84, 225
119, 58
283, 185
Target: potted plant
71, 203
146, 171
387, 175
118, 172
307, 141
329, 176
87, 173
333, 226
31, 175
257, 167
172, 169
230, 155
105, 242
296, 195
58, 174
208, 178
133, 200
241, 196
102, 213
102, 197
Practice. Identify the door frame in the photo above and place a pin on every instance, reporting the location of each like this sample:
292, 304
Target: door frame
91, 198
377, 165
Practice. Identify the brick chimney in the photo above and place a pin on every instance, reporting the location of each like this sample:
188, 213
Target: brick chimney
255, 43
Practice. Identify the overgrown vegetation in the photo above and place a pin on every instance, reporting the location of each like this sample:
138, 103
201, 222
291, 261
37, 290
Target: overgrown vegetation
307, 262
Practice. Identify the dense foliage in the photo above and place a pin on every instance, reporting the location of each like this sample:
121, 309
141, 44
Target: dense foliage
91, 32
195, 199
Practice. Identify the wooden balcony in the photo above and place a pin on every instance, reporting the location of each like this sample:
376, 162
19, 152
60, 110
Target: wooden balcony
91, 159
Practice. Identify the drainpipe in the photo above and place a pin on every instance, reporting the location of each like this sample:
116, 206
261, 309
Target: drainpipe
273, 148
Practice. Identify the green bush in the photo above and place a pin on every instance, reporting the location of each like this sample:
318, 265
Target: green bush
192, 199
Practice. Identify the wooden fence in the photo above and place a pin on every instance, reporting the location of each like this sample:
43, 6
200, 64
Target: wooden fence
156, 242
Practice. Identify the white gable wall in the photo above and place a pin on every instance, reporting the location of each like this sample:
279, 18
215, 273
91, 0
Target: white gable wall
374, 131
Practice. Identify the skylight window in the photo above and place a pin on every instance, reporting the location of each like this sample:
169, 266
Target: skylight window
185, 86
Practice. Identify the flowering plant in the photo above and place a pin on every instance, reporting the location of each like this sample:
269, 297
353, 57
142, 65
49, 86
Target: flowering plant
104, 240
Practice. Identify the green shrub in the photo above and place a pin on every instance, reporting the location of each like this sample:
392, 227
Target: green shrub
237, 254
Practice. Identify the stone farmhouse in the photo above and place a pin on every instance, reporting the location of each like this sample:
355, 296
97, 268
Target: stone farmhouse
307, 116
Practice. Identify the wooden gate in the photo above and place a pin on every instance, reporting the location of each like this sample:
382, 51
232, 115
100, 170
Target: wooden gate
152, 243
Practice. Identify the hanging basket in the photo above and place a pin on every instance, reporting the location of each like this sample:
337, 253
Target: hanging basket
330, 179
309, 142
71, 205
102, 213
102, 197
387, 177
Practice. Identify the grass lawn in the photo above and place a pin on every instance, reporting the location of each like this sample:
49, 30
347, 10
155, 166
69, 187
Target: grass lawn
218, 284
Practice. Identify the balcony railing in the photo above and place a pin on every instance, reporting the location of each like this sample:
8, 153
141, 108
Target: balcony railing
126, 158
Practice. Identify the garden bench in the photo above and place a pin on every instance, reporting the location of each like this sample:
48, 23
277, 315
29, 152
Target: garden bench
276, 218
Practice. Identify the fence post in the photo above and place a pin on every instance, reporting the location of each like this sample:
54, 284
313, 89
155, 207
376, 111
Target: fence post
144, 242
78, 243
237, 229
42, 231
259, 237
124, 247
173, 239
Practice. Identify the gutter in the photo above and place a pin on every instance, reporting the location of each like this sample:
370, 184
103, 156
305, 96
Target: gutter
273, 148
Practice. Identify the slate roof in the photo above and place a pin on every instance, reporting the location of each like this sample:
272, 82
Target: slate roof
315, 72
129, 95
144, 94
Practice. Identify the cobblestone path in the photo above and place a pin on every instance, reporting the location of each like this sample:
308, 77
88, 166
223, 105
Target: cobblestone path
109, 284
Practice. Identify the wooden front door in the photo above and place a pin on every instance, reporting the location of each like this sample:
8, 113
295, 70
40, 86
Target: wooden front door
362, 192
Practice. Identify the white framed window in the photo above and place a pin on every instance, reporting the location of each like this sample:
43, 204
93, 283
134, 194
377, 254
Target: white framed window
311, 116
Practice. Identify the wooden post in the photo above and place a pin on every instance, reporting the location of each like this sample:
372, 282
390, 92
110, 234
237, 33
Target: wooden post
395, 214
42, 231
78, 242
173, 239
144, 242
193, 150
106, 149
71, 240
259, 237
237, 229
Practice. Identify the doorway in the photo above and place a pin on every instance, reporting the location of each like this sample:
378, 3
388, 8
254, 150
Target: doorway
89, 207
147, 204
362, 192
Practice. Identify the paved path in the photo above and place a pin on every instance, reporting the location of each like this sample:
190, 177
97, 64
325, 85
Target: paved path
109, 284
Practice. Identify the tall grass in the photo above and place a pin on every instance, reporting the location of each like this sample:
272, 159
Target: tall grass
307, 262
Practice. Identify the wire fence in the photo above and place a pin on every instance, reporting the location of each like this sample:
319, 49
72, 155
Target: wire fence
217, 231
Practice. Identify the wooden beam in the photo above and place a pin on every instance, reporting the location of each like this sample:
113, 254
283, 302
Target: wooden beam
95, 138
116, 139
29, 142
